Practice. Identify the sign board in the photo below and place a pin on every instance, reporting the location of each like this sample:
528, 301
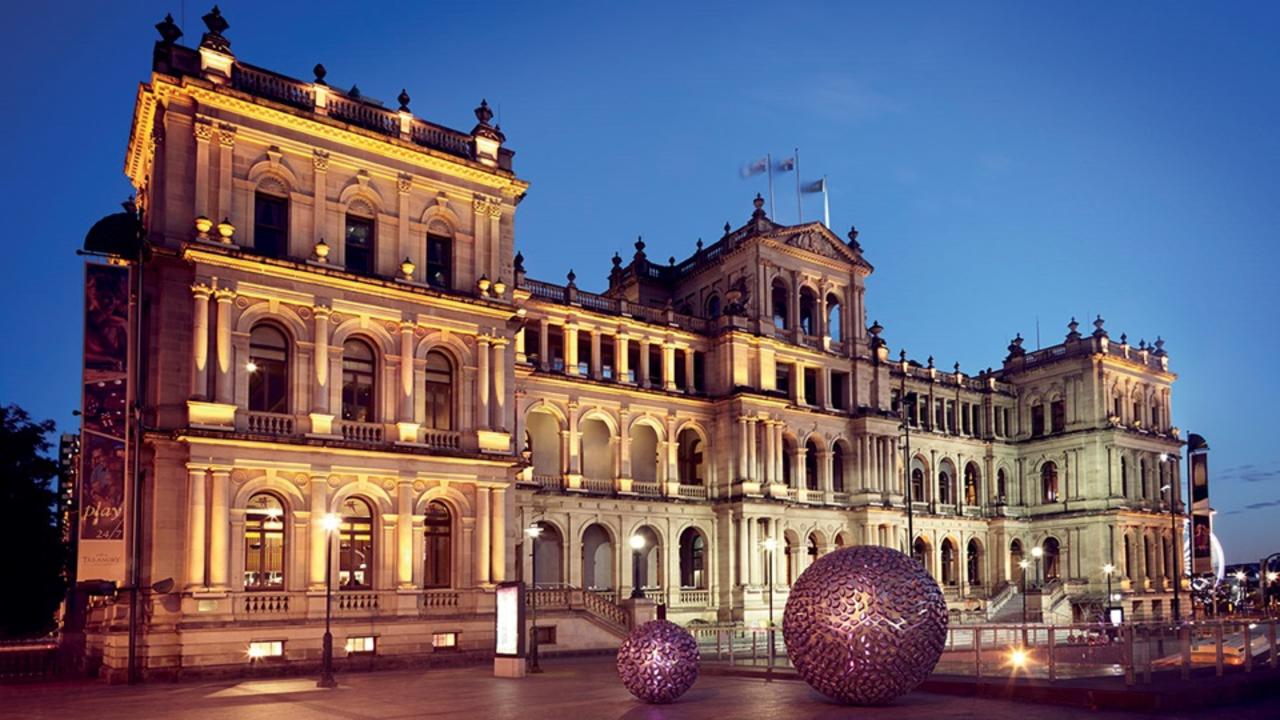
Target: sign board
103, 487
509, 632
1201, 511
1117, 616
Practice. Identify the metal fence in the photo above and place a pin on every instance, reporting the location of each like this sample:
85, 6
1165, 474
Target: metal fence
1050, 652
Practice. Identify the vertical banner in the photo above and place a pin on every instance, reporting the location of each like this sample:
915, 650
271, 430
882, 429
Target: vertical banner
104, 424
1201, 514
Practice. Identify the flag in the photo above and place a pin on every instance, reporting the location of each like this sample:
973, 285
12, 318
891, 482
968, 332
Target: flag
787, 165
817, 186
754, 168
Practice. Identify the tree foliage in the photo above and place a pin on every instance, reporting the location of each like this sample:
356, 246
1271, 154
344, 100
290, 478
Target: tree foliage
30, 545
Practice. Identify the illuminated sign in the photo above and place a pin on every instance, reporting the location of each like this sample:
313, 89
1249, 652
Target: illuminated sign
510, 620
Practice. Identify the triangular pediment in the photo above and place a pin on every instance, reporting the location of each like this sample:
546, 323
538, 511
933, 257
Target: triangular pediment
816, 238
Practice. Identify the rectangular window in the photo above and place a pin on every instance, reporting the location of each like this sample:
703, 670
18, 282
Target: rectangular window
555, 348
655, 365
546, 634
966, 417
584, 354
810, 386
699, 372
606, 357
270, 225
266, 649
363, 645
782, 377
939, 416
1037, 420
533, 343
439, 261
445, 640
359, 247
1057, 416
681, 380
839, 390
951, 417
977, 420
633, 362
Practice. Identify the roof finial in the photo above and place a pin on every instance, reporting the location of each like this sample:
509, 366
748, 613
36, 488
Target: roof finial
213, 39
727, 228
1098, 330
320, 72
519, 261
572, 276
403, 99
169, 30
1072, 329
853, 238
758, 202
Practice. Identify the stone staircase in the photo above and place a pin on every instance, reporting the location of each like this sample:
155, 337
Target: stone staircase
598, 608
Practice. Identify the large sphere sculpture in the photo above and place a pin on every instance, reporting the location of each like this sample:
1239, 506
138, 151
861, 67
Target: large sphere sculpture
864, 625
658, 661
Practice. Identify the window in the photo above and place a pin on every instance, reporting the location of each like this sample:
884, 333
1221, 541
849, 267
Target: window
1002, 491
808, 315
449, 640
974, 563
359, 246
837, 468
692, 559
1057, 416
268, 370
778, 297
810, 385
363, 645
948, 563
438, 392
546, 634
970, 484
966, 427
834, 322
264, 543
438, 551
355, 554
944, 488
917, 485
713, 307
1037, 420
270, 225
266, 649
788, 457
689, 456
1049, 482
810, 465
839, 390
358, 366
439, 261
782, 377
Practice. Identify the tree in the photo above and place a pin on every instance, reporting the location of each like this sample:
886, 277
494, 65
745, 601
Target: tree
32, 550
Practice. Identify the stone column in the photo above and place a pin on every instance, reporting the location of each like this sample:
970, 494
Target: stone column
200, 341
219, 531
223, 392
571, 349
622, 364
406, 371
644, 363
319, 198
744, 554
742, 447
753, 549
204, 133
320, 384
595, 354
780, 451
689, 385
404, 534
319, 538
499, 406
498, 534
482, 382
226, 151
482, 536
195, 528
668, 366
753, 441
544, 344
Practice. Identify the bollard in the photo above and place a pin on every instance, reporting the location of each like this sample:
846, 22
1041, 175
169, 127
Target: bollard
731, 643
1053, 642
1217, 641
977, 651
1185, 636
1248, 647
769, 639
753, 647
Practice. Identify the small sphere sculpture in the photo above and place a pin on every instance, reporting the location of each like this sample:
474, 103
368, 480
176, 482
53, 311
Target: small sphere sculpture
864, 625
658, 661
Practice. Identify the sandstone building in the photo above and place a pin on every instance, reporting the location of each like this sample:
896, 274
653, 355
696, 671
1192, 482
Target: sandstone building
338, 321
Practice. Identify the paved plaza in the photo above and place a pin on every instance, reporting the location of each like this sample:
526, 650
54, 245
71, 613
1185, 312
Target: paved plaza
578, 689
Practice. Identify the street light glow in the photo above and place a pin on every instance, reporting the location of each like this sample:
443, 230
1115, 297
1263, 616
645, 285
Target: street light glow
533, 531
1024, 564
770, 544
637, 542
330, 522
251, 366
1108, 568
1037, 552
1018, 658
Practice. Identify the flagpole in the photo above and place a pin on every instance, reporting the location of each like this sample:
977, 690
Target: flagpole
826, 205
768, 162
799, 202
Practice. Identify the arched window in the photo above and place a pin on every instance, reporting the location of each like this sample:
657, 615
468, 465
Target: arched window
973, 562
649, 558
1124, 476
779, 304
948, 562
808, 312
713, 307
834, 321
1049, 482
359, 247
270, 224
268, 369
1052, 552
358, 387
439, 392
692, 559
437, 527
542, 437
837, 467
917, 485
264, 543
971, 484
548, 556
944, 488
920, 553
355, 541
1142, 478
439, 259
1002, 487
1016, 571
689, 458
788, 457
810, 465
597, 558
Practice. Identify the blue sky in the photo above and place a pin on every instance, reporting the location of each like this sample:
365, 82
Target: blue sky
1003, 162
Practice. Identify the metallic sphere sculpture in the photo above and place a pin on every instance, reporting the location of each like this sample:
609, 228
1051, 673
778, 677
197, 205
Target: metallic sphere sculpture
864, 625
658, 661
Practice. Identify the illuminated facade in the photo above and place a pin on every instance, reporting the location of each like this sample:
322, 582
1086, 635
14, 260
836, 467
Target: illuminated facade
338, 322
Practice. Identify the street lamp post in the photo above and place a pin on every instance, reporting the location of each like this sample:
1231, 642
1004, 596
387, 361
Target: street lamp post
637, 546
1024, 564
906, 449
330, 524
1174, 535
770, 545
533, 531
1108, 570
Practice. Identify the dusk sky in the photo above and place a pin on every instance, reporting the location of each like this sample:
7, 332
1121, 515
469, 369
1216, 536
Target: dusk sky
1005, 164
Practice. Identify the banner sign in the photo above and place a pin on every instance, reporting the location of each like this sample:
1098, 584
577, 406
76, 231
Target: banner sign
1201, 513
510, 620
104, 424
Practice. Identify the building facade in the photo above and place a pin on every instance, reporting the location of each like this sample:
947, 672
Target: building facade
336, 324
